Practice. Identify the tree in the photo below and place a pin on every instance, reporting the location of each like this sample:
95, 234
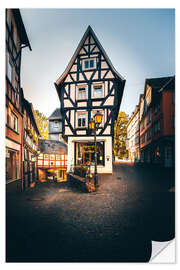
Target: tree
42, 124
120, 135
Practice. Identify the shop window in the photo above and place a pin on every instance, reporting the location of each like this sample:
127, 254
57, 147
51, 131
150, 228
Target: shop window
85, 153
12, 164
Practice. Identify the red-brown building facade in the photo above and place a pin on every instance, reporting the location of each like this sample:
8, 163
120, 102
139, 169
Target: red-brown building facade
157, 121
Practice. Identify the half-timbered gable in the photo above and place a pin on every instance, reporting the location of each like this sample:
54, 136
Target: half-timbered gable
89, 83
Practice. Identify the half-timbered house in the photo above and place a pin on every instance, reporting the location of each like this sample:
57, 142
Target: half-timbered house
89, 84
16, 40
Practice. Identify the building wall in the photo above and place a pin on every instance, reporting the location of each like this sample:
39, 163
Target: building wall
13, 105
133, 137
168, 110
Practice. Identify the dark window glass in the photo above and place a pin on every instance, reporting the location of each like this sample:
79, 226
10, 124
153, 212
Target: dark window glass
86, 64
83, 122
79, 122
91, 63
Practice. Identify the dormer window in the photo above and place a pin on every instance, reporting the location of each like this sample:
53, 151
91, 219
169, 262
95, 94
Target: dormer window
89, 63
81, 92
98, 91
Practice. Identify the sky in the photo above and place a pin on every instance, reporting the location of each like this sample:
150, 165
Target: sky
139, 42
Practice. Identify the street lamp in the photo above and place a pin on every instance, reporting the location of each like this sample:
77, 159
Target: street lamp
93, 125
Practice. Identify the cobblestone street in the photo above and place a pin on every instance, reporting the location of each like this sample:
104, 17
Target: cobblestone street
53, 223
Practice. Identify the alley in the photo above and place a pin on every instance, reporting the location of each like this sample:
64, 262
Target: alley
55, 223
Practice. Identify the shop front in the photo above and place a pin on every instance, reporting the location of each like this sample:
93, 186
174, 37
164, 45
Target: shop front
13, 166
81, 152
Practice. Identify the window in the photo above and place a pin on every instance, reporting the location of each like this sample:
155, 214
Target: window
142, 125
12, 164
157, 126
10, 70
88, 63
157, 108
149, 134
82, 92
82, 120
98, 91
12, 120
149, 118
143, 139
56, 124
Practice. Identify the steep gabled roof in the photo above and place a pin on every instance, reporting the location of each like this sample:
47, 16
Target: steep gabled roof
29, 108
158, 83
55, 115
88, 31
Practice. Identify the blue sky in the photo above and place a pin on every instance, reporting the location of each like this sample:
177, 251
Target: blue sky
139, 42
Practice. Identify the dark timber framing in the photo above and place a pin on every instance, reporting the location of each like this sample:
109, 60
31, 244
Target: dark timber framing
115, 86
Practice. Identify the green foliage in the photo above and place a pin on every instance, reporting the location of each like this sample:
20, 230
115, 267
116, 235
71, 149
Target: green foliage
42, 124
120, 135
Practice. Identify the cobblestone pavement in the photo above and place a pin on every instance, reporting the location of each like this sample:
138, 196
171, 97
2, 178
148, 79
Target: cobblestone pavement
53, 223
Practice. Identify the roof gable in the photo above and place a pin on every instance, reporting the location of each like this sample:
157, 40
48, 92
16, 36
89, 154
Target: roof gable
83, 47
55, 115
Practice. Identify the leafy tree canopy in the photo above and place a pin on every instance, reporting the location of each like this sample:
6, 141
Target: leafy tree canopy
120, 135
42, 124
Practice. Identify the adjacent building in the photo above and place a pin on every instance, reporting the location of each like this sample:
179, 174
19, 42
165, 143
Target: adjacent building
89, 84
52, 161
133, 136
155, 117
31, 135
16, 39
157, 121
55, 125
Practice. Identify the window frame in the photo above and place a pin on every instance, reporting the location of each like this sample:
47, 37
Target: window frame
93, 88
88, 59
78, 117
77, 92
10, 69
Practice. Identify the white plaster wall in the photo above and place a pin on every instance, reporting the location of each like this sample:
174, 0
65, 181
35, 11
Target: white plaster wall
109, 101
67, 103
108, 152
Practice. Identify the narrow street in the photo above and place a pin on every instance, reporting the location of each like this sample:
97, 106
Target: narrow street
55, 223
